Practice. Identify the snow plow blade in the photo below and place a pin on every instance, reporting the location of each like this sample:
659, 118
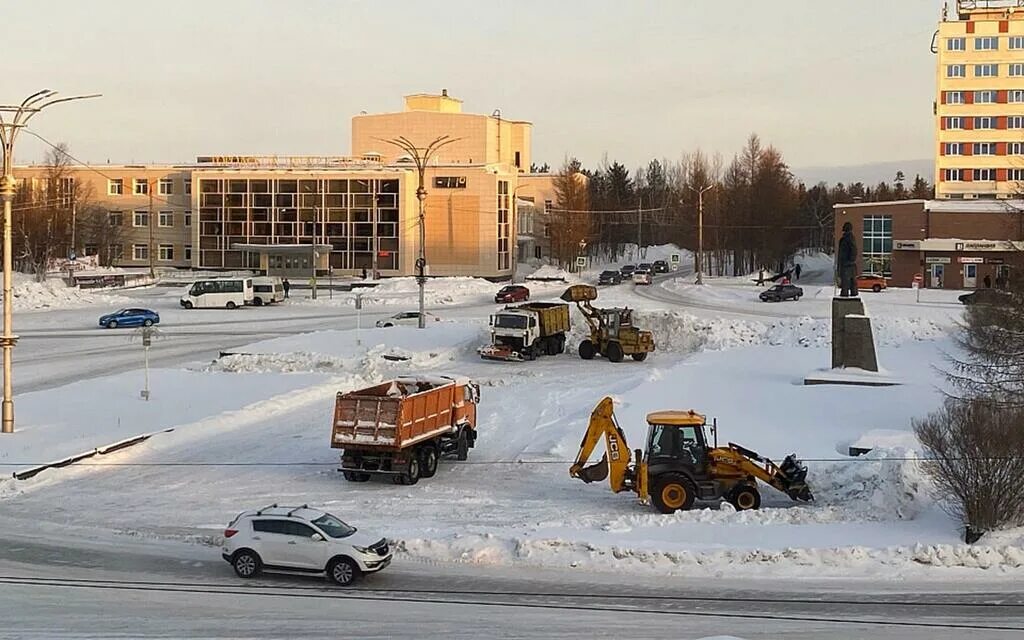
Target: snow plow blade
499, 353
580, 293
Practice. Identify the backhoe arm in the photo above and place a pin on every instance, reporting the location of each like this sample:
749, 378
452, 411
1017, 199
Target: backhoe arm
614, 463
790, 477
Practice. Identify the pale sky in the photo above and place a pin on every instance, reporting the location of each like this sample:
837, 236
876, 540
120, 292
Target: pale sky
829, 82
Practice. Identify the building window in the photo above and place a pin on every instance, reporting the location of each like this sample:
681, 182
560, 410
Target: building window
115, 187
954, 122
1015, 122
165, 187
984, 148
988, 96
188, 253
986, 43
140, 219
188, 187
984, 122
953, 148
1015, 149
140, 252
878, 244
450, 182
166, 252
90, 250
536, 252
1015, 95
954, 97
166, 219
956, 44
956, 71
986, 70
1017, 69
504, 228
116, 252
188, 218
1015, 174
116, 218
1017, 42
141, 187
517, 159
984, 174
952, 175
548, 206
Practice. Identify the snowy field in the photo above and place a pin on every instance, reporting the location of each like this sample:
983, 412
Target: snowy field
253, 428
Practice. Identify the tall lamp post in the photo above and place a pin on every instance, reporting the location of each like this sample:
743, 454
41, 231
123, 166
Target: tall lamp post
14, 118
420, 156
699, 261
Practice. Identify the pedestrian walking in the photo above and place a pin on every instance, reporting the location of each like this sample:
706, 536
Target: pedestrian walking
796, 272
287, 285
760, 278
988, 281
364, 273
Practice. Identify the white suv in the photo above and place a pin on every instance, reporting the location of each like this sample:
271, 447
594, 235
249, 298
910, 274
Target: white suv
302, 540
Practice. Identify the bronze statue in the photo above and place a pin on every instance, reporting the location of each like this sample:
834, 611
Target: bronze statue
846, 263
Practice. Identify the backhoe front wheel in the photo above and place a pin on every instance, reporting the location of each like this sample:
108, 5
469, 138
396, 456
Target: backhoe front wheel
614, 352
673, 492
745, 497
587, 350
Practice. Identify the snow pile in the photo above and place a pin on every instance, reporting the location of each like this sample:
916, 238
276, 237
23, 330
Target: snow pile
881, 485
405, 292
54, 294
550, 272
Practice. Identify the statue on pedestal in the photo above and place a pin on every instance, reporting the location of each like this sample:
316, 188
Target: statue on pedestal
846, 263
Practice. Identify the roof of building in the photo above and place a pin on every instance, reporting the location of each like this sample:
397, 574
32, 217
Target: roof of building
850, 205
975, 206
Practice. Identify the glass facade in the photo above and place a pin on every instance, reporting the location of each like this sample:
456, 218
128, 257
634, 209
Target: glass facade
877, 252
504, 226
358, 217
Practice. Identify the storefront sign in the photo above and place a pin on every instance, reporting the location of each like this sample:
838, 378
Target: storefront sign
970, 260
937, 260
994, 261
980, 246
908, 244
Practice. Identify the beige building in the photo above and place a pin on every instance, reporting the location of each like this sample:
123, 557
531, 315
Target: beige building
979, 111
290, 215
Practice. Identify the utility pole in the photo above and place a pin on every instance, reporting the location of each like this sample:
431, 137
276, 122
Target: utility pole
639, 225
17, 117
698, 260
421, 156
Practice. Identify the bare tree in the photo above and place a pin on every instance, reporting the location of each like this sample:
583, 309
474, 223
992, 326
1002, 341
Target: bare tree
570, 222
100, 228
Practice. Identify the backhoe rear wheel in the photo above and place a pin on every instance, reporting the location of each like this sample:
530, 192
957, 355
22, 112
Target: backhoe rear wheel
614, 352
640, 356
745, 497
673, 492
587, 350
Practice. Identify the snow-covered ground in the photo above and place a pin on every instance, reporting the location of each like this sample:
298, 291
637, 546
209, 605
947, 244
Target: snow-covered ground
253, 428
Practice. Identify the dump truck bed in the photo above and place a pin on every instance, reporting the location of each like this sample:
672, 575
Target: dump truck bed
395, 414
553, 316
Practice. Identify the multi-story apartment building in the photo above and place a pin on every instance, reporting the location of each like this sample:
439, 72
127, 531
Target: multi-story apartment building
290, 215
979, 111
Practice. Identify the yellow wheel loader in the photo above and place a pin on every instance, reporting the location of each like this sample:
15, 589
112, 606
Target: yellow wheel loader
679, 466
612, 333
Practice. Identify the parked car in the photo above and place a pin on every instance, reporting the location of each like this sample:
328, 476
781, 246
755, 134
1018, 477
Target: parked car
781, 292
610, 277
627, 270
302, 540
267, 290
645, 266
871, 282
406, 319
660, 266
642, 277
130, 318
512, 293
984, 296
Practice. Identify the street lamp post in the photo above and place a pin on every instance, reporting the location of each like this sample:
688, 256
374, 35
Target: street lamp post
699, 261
421, 156
14, 118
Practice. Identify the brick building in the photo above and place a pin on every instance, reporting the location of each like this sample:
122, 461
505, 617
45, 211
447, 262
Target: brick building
952, 244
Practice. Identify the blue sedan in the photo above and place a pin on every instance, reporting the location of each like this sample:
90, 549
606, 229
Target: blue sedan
130, 318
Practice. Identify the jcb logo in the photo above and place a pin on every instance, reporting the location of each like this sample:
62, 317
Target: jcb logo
613, 448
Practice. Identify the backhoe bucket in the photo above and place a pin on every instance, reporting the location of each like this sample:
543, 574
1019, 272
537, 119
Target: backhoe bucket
594, 473
580, 293
794, 478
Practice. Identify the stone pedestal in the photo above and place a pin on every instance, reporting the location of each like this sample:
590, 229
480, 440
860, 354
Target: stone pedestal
853, 349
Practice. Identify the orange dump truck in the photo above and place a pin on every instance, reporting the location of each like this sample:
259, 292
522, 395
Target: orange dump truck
404, 426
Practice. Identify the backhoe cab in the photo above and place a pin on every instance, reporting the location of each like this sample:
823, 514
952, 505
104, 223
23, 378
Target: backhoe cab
679, 466
612, 333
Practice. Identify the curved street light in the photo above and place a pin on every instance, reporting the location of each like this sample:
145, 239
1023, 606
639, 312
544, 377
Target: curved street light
14, 118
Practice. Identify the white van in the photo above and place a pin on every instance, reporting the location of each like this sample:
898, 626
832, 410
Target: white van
267, 290
228, 293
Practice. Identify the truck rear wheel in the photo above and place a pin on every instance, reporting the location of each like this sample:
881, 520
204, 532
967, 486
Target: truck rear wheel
614, 352
412, 472
673, 492
428, 460
551, 346
587, 350
462, 445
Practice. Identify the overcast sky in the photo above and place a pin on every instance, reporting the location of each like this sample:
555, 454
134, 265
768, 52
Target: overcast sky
829, 82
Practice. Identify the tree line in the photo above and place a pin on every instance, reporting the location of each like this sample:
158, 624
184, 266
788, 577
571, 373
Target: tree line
755, 212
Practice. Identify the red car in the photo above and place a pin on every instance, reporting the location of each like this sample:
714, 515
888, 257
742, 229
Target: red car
512, 293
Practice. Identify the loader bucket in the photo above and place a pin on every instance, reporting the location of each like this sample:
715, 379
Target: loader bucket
594, 473
580, 293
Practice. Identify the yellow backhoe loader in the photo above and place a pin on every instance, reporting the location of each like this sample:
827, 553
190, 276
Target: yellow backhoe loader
680, 466
612, 333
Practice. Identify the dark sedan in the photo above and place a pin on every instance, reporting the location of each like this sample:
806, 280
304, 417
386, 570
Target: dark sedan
627, 270
660, 266
610, 277
512, 293
130, 318
781, 292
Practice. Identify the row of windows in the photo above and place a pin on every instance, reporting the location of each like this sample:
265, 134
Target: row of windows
983, 122
982, 148
983, 96
164, 252
141, 218
958, 175
984, 43
140, 187
987, 70
877, 237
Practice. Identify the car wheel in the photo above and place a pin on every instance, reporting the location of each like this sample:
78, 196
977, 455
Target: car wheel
428, 460
877, 288
187, 305
388, 324
587, 350
230, 305
342, 571
147, 323
257, 302
247, 563
112, 324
